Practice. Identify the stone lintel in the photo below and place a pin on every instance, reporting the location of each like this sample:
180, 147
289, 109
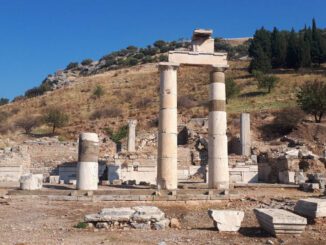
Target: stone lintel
197, 58
168, 65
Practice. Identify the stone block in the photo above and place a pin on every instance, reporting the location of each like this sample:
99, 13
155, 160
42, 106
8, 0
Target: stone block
117, 182
72, 182
226, 220
286, 177
54, 179
61, 182
148, 213
279, 221
311, 207
310, 187
31, 182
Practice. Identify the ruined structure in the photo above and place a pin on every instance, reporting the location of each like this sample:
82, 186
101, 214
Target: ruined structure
245, 134
87, 167
202, 53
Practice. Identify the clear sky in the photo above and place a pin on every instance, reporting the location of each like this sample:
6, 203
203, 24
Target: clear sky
38, 37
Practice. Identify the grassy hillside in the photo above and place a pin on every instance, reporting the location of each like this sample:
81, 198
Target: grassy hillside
133, 93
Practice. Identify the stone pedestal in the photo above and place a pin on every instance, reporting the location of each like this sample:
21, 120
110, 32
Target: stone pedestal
168, 132
245, 134
132, 135
31, 182
87, 167
218, 169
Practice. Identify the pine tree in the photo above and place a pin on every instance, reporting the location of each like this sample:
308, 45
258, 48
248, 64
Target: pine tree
304, 51
278, 48
293, 56
316, 52
261, 62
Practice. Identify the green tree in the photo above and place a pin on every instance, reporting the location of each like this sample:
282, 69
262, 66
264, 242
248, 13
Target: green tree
261, 62
231, 89
265, 81
4, 101
278, 48
293, 53
311, 97
56, 118
87, 62
116, 137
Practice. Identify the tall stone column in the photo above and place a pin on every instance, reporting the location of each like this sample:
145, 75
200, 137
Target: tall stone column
87, 167
132, 135
218, 167
245, 134
167, 163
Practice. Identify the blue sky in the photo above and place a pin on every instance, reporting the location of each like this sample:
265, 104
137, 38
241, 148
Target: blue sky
38, 37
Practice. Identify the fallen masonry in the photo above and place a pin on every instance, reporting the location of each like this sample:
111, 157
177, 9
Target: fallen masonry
279, 221
139, 217
226, 220
31, 182
311, 207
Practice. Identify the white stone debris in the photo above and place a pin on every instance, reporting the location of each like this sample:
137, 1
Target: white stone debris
226, 220
311, 207
139, 217
279, 221
31, 182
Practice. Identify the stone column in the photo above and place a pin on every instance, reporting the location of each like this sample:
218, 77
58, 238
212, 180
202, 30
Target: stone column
87, 167
245, 134
167, 163
218, 167
132, 135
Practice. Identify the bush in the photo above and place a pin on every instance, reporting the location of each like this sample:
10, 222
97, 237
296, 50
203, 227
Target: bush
116, 137
106, 113
87, 62
4, 101
186, 102
38, 91
72, 65
131, 61
163, 58
56, 118
231, 89
311, 98
98, 91
81, 225
19, 98
265, 81
27, 123
143, 102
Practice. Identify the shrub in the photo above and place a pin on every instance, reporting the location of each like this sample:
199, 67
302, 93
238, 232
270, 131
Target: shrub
38, 91
116, 137
186, 102
81, 225
56, 118
311, 98
265, 81
4, 101
163, 58
28, 123
98, 91
87, 62
131, 61
159, 44
72, 65
231, 89
106, 113
19, 98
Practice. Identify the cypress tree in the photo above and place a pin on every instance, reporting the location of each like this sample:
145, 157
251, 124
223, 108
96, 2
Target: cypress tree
278, 48
292, 57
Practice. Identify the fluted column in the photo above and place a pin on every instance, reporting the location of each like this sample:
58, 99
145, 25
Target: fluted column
167, 163
132, 135
218, 168
87, 167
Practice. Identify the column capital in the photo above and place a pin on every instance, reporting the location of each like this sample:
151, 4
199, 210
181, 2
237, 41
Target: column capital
168, 65
132, 122
219, 68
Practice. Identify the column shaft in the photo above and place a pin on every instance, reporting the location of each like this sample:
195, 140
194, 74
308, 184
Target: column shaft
218, 168
245, 134
87, 167
167, 163
132, 135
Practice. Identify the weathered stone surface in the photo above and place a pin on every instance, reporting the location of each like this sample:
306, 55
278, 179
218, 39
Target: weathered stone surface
54, 179
148, 213
174, 223
102, 225
31, 181
226, 220
310, 187
311, 207
140, 217
279, 221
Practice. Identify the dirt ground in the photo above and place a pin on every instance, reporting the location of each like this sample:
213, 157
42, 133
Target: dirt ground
34, 221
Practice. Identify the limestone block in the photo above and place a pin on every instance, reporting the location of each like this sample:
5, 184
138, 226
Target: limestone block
31, 182
292, 153
119, 214
162, 224
308, 187
287, 177
311, 207
226, 220
72, 182
54, 179
280, 221
217, 91
195, 58
61, 182
145, 213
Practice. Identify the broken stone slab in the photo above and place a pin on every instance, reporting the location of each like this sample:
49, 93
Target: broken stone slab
31, 182
280, 221
226, 220
144, 213
72, 182
292, 153
309, 187
117, 214
311, 207
162, 224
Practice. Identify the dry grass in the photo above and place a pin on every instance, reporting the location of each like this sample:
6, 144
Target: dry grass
134, 92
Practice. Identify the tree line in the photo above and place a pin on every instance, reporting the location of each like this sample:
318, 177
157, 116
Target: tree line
287, 49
